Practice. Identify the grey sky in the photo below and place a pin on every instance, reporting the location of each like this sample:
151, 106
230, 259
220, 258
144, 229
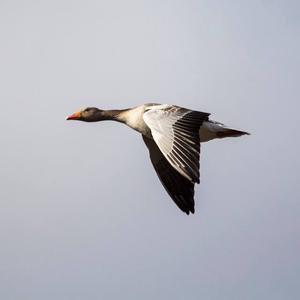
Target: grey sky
83, 215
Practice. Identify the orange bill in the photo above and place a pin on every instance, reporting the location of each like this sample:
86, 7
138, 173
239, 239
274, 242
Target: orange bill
74, 116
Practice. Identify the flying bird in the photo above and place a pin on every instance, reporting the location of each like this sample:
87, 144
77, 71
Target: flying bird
173, 136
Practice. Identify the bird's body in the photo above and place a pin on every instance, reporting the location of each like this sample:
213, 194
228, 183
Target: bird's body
172, 135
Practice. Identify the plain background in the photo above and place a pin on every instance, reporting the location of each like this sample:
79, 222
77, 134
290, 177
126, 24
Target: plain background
82, 213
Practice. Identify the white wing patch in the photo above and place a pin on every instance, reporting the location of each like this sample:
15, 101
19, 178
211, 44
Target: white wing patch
176, 132
160, 120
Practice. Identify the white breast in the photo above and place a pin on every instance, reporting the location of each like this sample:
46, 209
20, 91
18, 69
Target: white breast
134, 119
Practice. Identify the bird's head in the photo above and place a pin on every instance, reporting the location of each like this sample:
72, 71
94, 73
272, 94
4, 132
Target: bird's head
89, 114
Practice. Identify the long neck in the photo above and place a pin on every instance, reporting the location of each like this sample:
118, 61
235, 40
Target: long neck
132, 117
118, 115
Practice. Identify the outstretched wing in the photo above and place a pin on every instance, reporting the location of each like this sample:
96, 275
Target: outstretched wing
176, 133
180, 189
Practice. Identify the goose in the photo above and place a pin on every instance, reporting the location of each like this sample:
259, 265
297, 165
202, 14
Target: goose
173, 136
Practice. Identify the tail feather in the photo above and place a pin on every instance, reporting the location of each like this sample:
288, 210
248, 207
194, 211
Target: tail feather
214, 130
228, 132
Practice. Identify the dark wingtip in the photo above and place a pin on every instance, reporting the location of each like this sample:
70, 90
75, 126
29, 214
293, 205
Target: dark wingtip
189, 210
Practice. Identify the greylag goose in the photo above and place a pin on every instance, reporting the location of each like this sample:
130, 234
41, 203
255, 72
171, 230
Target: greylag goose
172, 135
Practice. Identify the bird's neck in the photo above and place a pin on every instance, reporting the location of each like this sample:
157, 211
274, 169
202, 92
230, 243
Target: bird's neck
132, 117
118, 115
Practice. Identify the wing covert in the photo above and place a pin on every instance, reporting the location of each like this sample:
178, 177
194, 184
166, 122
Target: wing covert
176, 133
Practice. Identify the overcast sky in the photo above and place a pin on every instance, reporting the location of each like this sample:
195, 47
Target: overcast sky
82, 213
